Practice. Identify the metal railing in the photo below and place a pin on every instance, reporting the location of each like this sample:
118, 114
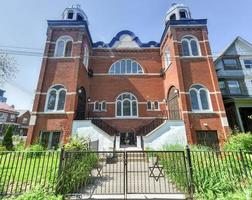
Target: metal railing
104, 126
130, 172
22, 171
144, 130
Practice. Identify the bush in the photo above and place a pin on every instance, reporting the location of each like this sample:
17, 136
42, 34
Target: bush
35, 150
2, 148
38, 194
77, 144
7, 140
20, 146
239, 141
174, 147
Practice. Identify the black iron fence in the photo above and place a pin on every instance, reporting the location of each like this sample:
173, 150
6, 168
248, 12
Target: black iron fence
122, 173
22, 171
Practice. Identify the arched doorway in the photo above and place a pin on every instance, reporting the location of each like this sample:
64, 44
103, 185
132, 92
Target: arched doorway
80, 113
173, 104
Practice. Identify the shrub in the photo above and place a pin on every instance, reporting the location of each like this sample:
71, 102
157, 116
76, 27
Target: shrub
20, 146
174, 147
77, 144
38, 193
7, 140
239, 141
35, 150
2, 148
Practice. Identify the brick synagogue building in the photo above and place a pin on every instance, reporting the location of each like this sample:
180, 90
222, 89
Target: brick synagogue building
127, 94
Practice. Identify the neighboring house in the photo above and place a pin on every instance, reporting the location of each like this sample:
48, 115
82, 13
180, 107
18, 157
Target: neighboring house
23, 120
127, 94
234, 70
2, 98
8, 116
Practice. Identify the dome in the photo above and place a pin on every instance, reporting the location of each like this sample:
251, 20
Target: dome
178, 12
74, 13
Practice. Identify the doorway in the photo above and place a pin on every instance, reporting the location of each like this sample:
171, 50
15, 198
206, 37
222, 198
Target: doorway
128, 139
81, 104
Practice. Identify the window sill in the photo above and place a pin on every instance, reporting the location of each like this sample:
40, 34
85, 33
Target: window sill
203, 112
128, 117
55, 112
155, 110
192, 57
99, 111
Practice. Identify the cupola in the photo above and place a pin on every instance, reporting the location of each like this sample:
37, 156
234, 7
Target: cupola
74, 13
178, 12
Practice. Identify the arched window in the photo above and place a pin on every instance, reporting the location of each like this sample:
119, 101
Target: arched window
103, 106
126, 105
126, 66
86, 56
167, 57
149, 105
183, 14
64, 47
96, 106
190, 46
56, 97
173, 17
200, 98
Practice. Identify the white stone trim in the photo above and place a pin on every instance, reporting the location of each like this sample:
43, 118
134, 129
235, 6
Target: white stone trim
144, 74
203, 112
134, 118
59, 58
45, 93
52, 113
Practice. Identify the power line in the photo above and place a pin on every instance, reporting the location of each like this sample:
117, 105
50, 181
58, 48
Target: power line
22, 51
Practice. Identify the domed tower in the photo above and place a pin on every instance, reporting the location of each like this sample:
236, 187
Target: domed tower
74, 13
178, 12
187, 61
63, 82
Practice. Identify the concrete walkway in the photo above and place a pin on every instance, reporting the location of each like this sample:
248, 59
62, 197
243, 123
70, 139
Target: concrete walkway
143, 180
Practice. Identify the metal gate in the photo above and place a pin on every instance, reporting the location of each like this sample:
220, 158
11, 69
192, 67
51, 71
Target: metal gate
135, 174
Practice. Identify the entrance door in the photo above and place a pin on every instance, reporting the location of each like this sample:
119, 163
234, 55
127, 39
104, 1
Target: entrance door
173, 105
128, 139
246, 116
81, 106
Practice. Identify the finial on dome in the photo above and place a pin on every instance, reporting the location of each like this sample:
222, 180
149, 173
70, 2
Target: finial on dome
178, 12
74, 13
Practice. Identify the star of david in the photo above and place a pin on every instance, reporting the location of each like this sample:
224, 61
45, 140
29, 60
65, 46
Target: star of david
159, 170
98, 169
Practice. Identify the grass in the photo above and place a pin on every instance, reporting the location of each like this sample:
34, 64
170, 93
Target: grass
21, 171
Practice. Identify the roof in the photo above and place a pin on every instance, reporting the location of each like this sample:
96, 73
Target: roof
125, 32
21, 112
238, 38
6, 108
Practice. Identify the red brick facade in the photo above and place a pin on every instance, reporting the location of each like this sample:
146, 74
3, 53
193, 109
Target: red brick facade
182, 74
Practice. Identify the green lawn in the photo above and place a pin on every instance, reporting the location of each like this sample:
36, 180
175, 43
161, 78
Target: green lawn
21, 171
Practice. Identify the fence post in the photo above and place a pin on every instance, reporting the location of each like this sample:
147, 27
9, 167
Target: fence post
242, 161
190, 171
59, 181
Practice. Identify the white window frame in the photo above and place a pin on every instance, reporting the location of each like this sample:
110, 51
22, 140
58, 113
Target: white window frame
86, 56
50, 137
199, 99
153, 106
56, 100
131, 107
65, 39
250, 65
192, 38
238, 84
100, 106
113, 66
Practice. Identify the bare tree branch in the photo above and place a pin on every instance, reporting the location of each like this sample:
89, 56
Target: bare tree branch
8, 68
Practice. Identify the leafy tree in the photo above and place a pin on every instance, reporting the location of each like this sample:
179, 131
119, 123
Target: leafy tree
8, 68
7, 140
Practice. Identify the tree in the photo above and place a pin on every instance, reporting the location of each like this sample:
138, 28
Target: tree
7, 140
8, 68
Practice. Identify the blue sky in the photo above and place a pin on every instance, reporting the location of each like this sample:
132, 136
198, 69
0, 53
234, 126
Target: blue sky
23, 24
